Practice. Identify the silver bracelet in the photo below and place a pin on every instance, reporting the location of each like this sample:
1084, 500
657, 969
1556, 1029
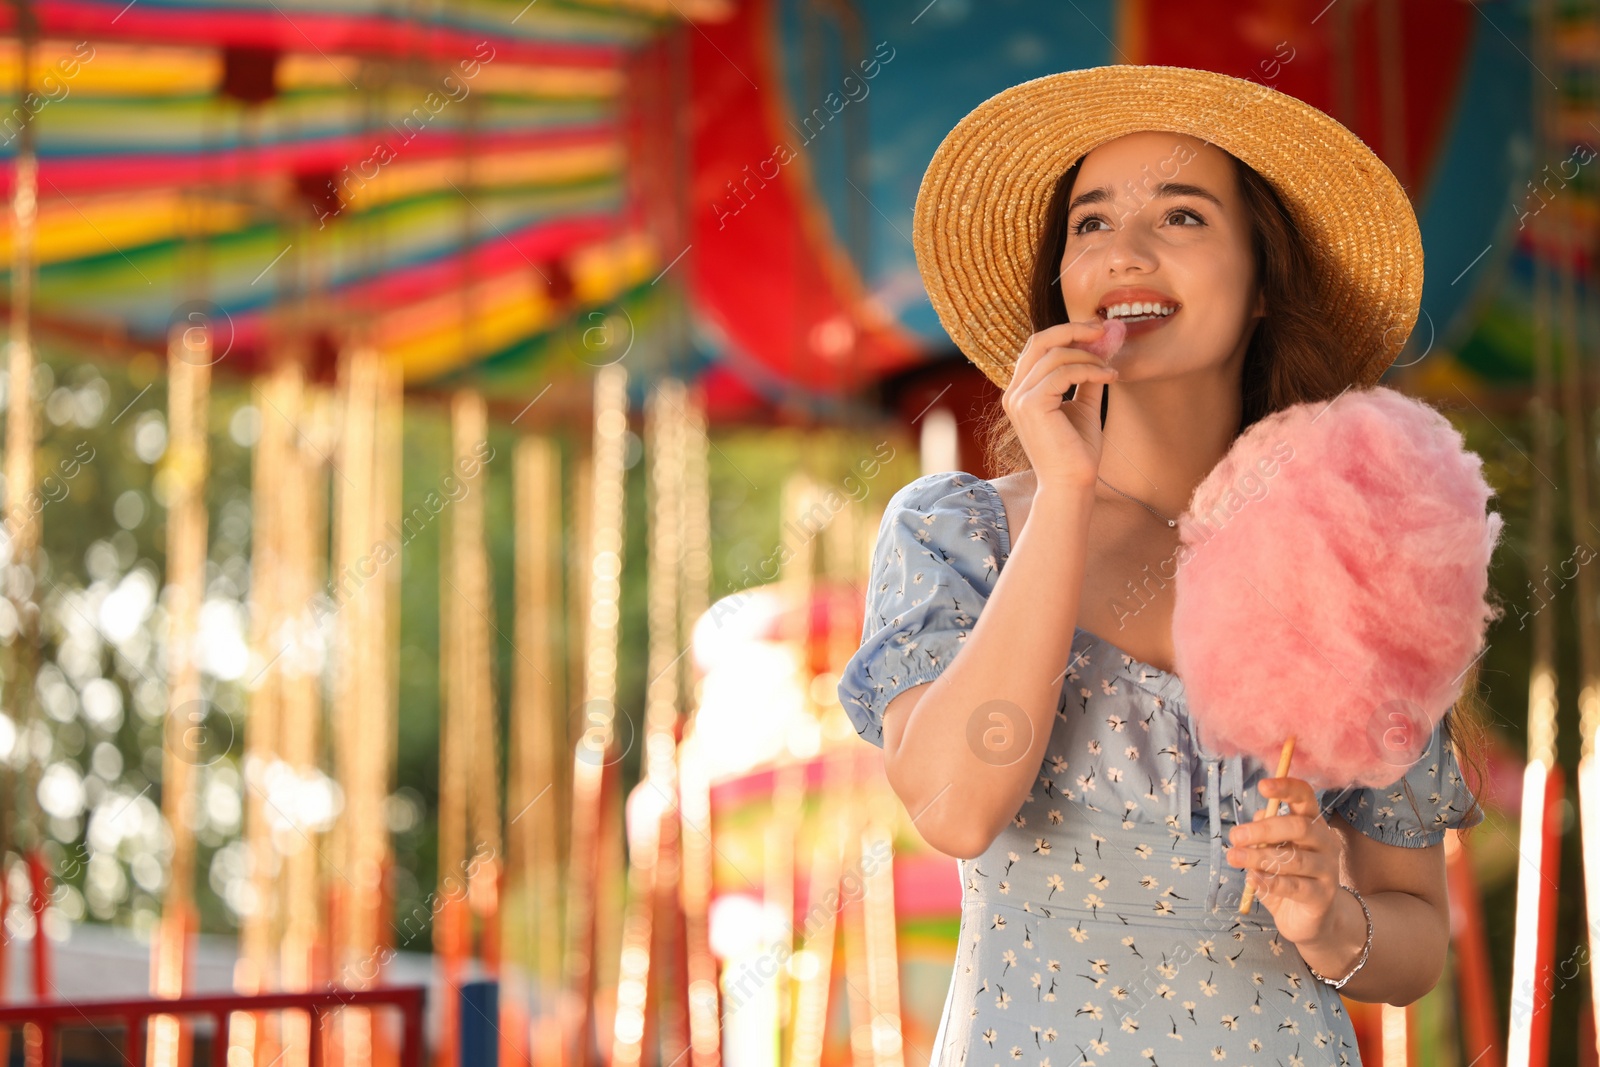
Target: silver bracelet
1360, 963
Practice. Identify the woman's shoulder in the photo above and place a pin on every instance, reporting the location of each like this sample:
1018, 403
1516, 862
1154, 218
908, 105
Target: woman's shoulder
950, 507
943, 487
939, 552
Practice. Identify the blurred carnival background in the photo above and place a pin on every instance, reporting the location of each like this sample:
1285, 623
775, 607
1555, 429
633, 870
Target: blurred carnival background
443, 448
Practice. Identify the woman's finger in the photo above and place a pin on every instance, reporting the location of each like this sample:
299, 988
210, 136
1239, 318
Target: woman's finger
1283, 886
1050, 361
1276, 859
1060, 336
1275, 828
1053, 385
1301, 797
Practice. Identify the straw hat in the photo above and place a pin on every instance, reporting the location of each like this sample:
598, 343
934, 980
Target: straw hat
981, 206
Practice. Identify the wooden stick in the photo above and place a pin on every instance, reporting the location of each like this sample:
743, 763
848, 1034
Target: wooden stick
1249, 894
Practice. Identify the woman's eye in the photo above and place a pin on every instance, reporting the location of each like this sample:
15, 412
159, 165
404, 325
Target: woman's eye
1184, 212
1078, 227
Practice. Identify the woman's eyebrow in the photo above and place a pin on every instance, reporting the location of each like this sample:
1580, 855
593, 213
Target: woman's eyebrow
1102, 195
1171, 189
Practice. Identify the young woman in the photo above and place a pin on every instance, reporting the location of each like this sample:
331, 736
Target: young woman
1016, 658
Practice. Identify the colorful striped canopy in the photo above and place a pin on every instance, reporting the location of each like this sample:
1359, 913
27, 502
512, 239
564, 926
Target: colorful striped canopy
450, 183
508, 193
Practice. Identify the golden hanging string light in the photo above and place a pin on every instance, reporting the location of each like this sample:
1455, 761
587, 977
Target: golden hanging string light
883, 963
450, 925
846, 552
469, 793
876, 1033
789, 792
538, 734
857, 973
553, 1029
298, 837
390, 447
628, 1023
696, 517
182, 477
595, 748
694, 786
261, 926
835, 821
782, 831
669, 977
669, 973
653, 806
348, 595
871, 955
362, 596
474, 592
695, 889
452, 762
580, 583
814, 960
610, 894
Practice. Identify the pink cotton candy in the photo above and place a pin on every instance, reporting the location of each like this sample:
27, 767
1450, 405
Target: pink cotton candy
1105, 346
1331, 583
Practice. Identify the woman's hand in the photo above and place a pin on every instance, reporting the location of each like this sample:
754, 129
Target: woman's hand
1292, 860
1062, 439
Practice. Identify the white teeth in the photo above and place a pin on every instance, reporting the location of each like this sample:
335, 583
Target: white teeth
1137, 308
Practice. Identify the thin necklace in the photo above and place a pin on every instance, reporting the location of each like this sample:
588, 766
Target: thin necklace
1141, 503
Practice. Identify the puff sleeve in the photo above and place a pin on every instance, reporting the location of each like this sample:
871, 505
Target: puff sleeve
935, 563
1438, 798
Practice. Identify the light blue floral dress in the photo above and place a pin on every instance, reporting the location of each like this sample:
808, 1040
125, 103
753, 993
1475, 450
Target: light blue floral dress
1102, 926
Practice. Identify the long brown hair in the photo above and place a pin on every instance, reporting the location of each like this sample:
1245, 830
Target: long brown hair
1292, 358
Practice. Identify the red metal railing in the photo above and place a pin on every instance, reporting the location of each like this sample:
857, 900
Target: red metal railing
134, 1014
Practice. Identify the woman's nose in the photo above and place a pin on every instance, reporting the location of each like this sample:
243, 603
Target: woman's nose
1130, 244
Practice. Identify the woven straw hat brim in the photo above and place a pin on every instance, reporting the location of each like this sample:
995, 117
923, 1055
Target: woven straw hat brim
980, 208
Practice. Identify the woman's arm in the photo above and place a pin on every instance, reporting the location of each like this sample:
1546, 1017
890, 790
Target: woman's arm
962, 751
1405, 890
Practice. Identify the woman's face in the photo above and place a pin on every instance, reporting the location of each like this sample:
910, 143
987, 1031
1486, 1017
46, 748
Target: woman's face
1157, 218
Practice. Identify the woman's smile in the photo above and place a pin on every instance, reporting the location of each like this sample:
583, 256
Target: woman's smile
1141, 309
